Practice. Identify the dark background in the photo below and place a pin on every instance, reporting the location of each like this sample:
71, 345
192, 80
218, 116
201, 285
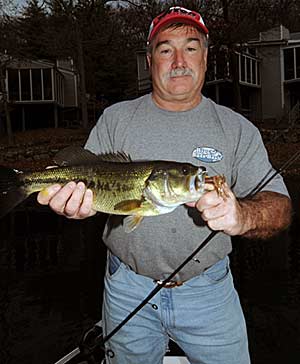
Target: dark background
51, 269
51, 285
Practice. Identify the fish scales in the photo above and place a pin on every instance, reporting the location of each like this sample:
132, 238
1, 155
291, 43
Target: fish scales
111, 183
119, 182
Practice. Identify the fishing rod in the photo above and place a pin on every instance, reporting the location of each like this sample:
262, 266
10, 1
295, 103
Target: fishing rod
98, 340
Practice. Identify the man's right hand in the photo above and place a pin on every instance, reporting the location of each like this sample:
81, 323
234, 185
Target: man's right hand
73, 200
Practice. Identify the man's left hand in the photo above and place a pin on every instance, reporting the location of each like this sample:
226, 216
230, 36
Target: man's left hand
222, 213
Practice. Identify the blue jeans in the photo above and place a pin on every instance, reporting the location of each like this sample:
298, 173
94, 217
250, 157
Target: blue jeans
203, 316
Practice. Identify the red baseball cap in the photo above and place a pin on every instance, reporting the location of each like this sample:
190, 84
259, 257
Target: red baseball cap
176, 14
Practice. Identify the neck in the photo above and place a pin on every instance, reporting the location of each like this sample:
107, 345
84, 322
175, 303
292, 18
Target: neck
176, 105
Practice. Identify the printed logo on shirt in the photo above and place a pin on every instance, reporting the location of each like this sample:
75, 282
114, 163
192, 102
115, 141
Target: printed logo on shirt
207, 154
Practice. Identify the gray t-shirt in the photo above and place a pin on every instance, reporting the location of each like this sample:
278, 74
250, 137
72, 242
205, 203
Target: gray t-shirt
209, 135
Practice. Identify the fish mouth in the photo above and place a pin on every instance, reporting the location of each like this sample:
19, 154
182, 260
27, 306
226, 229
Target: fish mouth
197, 181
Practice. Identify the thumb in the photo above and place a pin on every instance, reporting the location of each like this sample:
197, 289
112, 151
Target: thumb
45, 195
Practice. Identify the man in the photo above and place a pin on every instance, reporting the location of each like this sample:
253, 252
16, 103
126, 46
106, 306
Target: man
200, 310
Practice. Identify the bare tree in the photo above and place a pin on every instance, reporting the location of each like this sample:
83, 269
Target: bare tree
103, 36
4, 107
5, 7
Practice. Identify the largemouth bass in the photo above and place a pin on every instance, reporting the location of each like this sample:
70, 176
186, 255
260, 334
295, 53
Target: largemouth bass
120, 186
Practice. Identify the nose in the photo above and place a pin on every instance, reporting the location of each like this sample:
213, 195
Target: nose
179, 60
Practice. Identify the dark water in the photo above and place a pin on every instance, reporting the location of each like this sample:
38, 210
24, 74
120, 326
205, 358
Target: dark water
51, 285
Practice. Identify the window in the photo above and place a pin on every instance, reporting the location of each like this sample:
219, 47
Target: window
243, 69
249, 70
257, 73
288, 63
211, 73
13, 85
298, 62
253, 70
248, 67
36, 84
218, 66
291, 58
59, 88
32, 85
221, 65
47, 80
25, 85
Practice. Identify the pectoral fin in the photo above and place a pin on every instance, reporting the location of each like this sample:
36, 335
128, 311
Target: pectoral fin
130, 223
128, 206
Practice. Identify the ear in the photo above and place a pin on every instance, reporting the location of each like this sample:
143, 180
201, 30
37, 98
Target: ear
205, 58
149, 60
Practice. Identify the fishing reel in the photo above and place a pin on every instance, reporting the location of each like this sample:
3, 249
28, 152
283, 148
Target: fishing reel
90, 346
90, 349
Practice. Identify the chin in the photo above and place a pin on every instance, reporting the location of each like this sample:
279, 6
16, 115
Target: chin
180, 88
180, 92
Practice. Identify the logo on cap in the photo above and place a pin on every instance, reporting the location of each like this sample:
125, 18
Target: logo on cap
176, 14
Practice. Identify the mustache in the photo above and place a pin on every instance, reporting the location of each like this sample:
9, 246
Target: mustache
176, 72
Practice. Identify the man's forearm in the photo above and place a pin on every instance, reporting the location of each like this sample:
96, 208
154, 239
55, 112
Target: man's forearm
265, 214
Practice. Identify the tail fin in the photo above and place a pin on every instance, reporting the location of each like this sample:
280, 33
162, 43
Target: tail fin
11, 191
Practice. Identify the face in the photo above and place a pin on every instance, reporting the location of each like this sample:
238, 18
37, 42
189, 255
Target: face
178, 64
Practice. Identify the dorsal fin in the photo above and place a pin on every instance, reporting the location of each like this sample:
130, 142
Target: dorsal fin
76, 155
115, 157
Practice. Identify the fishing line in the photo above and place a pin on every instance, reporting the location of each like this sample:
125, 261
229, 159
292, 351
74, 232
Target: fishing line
282, 169
261, 185
100, 340
159, 287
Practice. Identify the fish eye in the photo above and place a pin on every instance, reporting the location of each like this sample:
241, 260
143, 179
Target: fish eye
185, 170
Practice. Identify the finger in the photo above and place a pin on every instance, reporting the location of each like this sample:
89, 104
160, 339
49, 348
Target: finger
208, 200
45, 195
86, 209
215, 212
226, 192
191, 204
59, 200
216, 224
222, 223
73, 204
